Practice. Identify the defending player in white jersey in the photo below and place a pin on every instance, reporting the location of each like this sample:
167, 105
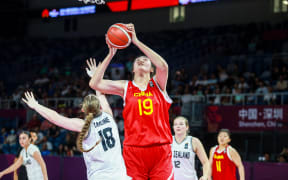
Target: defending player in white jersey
184, 148
31, 158
98, 139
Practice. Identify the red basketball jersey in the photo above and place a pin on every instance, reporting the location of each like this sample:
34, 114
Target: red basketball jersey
223, 168
146, 116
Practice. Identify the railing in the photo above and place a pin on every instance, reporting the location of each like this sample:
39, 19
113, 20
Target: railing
248, 99
51, 102
216, 99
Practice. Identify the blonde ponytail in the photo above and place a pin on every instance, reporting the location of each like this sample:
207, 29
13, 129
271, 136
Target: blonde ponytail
91, 107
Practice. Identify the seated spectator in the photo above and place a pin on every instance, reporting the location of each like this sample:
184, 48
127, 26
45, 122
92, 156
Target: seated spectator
251, 98
227, 98
10, 143
68, 151
261, 91
282, 158
40, 136
238, 97
281, 84
186, 100
217, 99
223, 76
45, 125
33, 122
267, 157
48, 145
3, 136
270, 98
60, 150
262, 88
45, 151
243, 84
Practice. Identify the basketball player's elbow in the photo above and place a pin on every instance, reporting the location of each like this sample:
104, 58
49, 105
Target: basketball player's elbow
163, 67
93, 84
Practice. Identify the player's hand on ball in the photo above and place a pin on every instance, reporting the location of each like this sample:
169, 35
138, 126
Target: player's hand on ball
131, 29
30, 100
112, 50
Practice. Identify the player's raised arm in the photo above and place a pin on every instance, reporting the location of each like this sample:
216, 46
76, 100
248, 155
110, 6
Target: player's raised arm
73, 124
156, 59
106, 86
91, 69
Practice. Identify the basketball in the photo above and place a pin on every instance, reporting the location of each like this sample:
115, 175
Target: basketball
118, 36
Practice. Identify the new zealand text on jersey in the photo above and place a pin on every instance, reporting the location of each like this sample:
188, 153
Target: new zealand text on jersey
180, 154
142, 93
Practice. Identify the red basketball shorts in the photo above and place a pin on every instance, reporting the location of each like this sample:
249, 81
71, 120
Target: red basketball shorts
153, 163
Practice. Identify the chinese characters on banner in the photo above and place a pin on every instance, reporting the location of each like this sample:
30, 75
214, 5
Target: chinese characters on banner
253, 117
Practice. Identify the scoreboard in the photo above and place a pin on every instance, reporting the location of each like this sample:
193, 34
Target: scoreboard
125, 5
83, 7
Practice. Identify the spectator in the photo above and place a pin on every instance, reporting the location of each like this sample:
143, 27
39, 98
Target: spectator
33, 122
186, 100
45, 125
267, 157
238, 98
68, 151
60, 150
10, 142
282, 158
48, 145
217, 99
270, 98
281, 84
45, 151
242, 84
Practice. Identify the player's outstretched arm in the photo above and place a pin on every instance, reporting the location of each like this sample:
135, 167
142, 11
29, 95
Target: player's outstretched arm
91, 69
238, 162
13, 167
200, 151
73, 124
37, 156
156, 59
106, 86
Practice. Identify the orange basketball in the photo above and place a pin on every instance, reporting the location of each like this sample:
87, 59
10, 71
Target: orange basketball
118, 36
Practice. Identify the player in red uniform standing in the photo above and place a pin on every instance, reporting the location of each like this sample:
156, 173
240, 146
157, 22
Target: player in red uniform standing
225, 159
147, 150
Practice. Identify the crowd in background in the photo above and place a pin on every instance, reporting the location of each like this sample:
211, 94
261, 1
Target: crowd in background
229, 60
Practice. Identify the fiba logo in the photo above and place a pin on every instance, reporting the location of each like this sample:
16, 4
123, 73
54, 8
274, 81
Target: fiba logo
186, 146
151, 84
28, 162
99, 2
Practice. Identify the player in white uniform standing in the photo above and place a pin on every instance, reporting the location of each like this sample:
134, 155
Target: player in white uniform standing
184, 148
98, 138
31, 158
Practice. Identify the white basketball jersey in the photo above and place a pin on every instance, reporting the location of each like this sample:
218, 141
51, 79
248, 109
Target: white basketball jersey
183, 158
105, 161
33, 168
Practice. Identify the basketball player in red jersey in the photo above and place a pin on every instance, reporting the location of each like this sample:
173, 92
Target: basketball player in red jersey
225, 159
147, 144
